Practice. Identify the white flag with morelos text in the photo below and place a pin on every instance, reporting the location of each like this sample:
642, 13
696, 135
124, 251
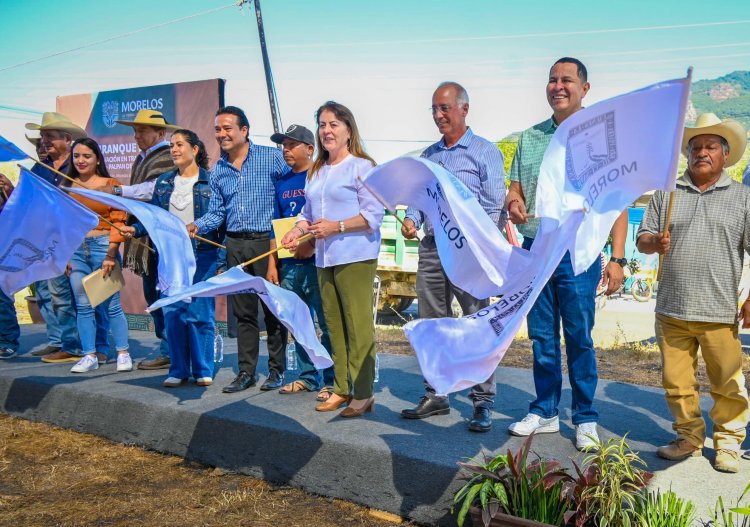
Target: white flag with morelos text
604, 157
457, 353
475, 255
167, 232
41, 229
285, 305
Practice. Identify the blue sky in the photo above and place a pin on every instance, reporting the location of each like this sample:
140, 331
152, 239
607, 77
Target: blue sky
382, 59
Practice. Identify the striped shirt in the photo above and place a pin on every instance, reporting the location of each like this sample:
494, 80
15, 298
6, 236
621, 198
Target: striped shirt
478, 164
244, 198
525, 168
709, 232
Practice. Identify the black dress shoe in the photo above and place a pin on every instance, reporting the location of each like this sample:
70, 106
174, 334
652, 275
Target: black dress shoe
243, 381
274, 382
481, 421
427, 407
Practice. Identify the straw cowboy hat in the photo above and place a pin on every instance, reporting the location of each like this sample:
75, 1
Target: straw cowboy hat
729, 129
151, 118
34, 140
58, 121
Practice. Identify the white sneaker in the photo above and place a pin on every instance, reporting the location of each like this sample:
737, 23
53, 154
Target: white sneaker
534, 423
586, 437
204, 381
173, 382
124, 362
87, 363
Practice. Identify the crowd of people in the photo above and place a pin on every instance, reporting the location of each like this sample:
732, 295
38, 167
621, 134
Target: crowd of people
335, 241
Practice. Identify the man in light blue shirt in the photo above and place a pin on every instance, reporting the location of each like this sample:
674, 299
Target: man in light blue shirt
478, 164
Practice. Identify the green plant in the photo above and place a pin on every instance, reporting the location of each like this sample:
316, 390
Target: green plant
654, 509
738, 516
508, 483
605, 490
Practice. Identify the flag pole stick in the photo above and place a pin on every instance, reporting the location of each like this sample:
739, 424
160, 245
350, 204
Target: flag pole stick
387, 207
688, 78
303, 238
101, 218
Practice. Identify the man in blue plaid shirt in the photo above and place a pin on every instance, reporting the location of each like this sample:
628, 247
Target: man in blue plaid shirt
242, 196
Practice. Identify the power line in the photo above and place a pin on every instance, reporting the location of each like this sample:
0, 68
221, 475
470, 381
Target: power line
238, 3
511, 37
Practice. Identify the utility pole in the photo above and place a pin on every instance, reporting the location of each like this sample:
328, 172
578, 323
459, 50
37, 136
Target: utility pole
272, 101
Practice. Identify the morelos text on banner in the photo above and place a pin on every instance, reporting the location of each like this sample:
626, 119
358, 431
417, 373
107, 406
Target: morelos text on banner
285, 305
604, 157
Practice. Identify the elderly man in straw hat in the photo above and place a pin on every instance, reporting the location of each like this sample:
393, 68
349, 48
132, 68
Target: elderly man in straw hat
703, 248
57, 132
149, 130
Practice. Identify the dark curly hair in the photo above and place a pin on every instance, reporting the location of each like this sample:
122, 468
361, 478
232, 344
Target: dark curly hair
201, 159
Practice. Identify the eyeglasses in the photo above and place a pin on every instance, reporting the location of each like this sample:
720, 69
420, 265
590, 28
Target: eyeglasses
443, 108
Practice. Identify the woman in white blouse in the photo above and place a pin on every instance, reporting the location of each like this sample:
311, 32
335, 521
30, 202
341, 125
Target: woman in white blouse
345, 220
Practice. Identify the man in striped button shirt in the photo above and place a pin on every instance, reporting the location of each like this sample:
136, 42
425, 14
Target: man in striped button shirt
242, 195
703, 247
478, 164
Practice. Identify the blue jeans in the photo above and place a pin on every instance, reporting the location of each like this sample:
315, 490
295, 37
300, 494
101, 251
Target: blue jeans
303, 280
61, 326
151, 294
87, 259
571, 299
9, 330
191, 327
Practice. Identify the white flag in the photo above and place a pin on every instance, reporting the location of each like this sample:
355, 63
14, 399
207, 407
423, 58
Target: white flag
457, 353
168, 233
285, 305
475, 255
604, 157
41, 229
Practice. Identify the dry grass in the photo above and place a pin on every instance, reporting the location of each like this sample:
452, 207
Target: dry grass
50, 477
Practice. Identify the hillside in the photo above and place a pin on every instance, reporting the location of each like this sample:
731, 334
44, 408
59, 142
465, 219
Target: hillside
728, 97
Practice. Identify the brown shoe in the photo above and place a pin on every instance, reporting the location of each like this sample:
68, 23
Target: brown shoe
60, 356
45, 351
727, 460
334, 402
678, 450
368, 406
159, 363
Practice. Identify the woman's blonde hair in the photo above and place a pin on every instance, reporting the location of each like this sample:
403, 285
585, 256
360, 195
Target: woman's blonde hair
356, 148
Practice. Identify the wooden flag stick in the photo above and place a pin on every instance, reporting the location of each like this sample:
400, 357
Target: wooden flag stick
382, 202
666, 230
303, 238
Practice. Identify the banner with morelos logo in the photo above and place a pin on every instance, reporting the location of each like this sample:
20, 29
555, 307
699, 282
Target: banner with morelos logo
189, 105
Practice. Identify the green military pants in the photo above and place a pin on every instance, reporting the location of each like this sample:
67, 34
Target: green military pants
346, 291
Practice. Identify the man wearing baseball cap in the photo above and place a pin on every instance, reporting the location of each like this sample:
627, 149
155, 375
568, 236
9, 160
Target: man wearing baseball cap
299, 274
703, 247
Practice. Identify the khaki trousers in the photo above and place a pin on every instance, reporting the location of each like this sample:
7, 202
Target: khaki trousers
679, 341
346, 291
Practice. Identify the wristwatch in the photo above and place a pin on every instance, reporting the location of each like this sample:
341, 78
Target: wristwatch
622, 261
117, 191
341, 226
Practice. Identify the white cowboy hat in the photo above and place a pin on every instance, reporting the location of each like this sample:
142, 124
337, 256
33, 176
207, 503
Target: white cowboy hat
731, 130
151, 118
58, 121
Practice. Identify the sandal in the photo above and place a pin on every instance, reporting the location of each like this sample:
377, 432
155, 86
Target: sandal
294, 387
324, 394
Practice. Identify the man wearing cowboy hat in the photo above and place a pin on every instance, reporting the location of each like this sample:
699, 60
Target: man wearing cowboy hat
54, 296
703, 247
149, 130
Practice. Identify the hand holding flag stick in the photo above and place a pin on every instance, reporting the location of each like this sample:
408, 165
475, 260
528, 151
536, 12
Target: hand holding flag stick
302, 238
